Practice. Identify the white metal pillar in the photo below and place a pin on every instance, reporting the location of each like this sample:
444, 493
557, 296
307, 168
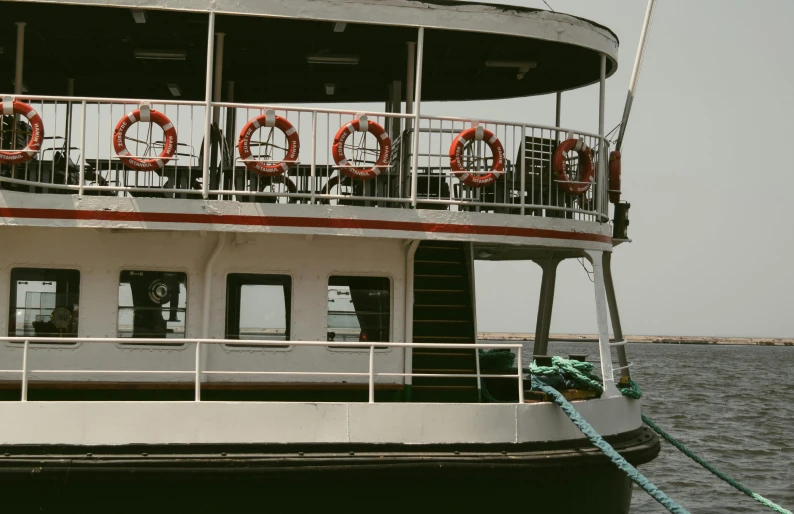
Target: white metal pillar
409, 79
417, 110
614, 316
20, 58
602, 206
545, 304
218, 77
205, 161
596, 258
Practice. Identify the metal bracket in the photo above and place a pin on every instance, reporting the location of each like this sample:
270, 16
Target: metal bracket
363, 123
270, 118
8, 105
146, 112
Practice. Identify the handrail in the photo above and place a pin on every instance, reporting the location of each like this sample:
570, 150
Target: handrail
198, 371
414, 159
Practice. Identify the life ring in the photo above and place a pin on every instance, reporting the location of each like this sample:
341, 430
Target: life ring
456, 157
586, 172
11, 107
614, 177
145, 115
384, 148
269, 119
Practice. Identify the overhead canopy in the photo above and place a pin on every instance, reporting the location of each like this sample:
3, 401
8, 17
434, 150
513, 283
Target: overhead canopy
277, 51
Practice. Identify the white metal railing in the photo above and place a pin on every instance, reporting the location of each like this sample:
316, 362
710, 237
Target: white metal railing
198, 370
78, 157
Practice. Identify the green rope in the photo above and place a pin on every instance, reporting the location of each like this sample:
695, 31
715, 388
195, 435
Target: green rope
599, 442
579, 375
755, 496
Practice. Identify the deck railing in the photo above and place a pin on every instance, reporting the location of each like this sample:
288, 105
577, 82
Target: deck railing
31, 344
78, 157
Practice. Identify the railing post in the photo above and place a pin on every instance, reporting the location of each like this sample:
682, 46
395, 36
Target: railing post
420, 48
198, 371
205, 164
372, 374
83, 108
520, 376
312, 183
25, 372
523, 154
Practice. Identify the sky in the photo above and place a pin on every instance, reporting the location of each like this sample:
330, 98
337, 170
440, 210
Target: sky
705, 168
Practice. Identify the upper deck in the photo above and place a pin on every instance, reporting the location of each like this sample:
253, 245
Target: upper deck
231, 71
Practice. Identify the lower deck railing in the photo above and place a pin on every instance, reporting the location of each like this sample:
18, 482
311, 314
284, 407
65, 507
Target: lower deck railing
30, 344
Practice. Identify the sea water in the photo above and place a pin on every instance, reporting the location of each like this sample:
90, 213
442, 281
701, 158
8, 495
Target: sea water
731, 405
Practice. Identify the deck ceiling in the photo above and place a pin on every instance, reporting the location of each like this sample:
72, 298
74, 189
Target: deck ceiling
267, 57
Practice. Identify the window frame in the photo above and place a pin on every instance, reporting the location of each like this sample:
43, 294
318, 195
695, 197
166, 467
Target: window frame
286, 347
12, 314
174, 344
378, 348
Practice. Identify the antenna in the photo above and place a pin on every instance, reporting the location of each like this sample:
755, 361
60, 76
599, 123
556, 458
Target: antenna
646, 27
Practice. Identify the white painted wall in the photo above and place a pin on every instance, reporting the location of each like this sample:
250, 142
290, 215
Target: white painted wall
101, 254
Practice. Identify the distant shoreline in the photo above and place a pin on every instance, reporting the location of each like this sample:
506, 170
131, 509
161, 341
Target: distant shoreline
589, 338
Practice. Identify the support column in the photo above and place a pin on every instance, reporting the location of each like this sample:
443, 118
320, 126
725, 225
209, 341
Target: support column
216, 160
420, 50
205, 160
20, 62
610, 390
602, 205
545, 304
614, 315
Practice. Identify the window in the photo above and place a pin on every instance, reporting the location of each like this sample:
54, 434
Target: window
152, 304
44, 302
258, 307
359, 309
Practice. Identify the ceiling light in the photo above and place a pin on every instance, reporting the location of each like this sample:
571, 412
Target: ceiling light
160, 55
522, 66
511, 64
349, 60
138, 15
339, 26
329, 89
175, 89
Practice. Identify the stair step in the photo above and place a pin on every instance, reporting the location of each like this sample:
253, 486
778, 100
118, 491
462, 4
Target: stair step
437, 275
467, 340
441, 320
428, 261
439, 291
451, 371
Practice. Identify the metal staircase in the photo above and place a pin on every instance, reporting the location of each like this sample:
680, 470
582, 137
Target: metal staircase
443, 313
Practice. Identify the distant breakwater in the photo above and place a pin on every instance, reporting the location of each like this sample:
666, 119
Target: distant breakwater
586, 338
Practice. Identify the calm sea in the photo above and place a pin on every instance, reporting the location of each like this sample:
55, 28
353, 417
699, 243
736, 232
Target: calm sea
732, 405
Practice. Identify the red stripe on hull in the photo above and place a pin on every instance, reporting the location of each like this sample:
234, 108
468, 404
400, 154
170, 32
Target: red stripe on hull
302, 222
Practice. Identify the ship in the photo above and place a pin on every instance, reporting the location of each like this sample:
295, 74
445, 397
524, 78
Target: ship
238, 260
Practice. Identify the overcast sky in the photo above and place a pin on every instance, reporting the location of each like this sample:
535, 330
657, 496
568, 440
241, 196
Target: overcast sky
706, 167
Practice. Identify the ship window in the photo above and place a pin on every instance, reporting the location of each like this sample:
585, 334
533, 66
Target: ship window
44, 302
359, 309
258, 307
152, 304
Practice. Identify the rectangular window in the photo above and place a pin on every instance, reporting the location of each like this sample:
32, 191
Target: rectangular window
359, 309
152, 304
44, 302
258, 307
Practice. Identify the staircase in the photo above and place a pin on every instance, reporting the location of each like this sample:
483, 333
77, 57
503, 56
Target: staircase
443, 313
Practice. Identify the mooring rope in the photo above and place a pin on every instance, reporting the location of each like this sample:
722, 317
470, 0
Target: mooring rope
599, 442
580, 374
686, 451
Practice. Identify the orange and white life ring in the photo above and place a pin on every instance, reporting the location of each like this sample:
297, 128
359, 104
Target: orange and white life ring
456, 157
586, 171
269, 119
384, 149
11, 107
614, 177
145, 115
